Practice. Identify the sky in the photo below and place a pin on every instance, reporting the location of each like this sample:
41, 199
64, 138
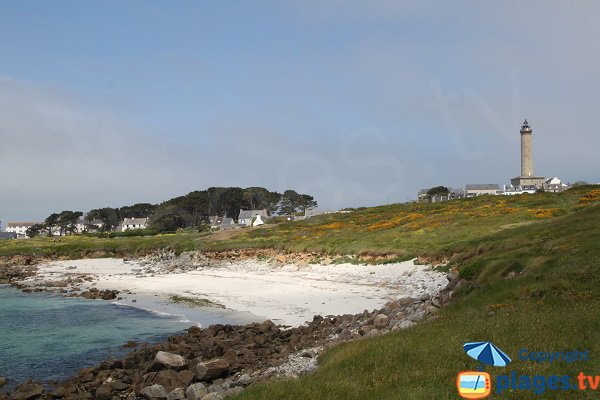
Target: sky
111, 103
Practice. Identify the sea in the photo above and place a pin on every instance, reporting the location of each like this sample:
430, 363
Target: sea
49, 337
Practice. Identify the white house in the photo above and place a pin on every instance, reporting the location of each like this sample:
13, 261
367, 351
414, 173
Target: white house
512, 190
134, 223
482, 189
20, 228
246, 217
554, 185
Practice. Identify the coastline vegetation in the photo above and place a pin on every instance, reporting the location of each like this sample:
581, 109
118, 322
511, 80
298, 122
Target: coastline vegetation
531, 265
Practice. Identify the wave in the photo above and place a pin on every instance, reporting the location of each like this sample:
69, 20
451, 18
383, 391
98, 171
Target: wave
162, 314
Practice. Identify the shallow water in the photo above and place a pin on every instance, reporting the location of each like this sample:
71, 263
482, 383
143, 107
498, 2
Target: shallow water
49, 337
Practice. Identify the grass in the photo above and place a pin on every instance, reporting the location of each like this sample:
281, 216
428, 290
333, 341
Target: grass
550, 302
533, 265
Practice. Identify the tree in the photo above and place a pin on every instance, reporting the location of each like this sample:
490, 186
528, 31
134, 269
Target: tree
140, 210
169, 218
35, 230
67, 220
51, 222
292, 202
438, 191
110, 217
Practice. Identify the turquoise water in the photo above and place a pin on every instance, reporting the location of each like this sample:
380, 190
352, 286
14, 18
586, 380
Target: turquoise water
49, 337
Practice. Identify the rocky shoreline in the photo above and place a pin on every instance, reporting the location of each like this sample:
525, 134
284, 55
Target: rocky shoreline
221, 360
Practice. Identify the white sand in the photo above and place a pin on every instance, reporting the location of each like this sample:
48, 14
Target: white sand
285, 294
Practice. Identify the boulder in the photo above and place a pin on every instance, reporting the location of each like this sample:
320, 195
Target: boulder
3, 381
211, 370
213, 396
154, 392
185, 377
170, 360
176, 394
345, 335
27, 391
104, 392
380, 321
196, 391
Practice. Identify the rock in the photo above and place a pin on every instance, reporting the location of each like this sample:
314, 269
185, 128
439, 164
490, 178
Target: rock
3, 381
345, 335
417, 315
373, 333
170, 360
403, 324
211, 370
176, 394
234, 391
104, 392
244, 380
381, 321
27, 391
213, 396
185, 377
281, 259
196, 391
154, 392
167, 378
424, 297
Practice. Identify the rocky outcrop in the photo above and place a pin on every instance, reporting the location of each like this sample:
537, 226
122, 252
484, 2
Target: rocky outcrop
95, 294
27, 391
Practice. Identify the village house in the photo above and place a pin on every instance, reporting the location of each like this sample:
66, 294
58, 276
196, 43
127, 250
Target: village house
134, 223
20, 228
227, 224
313, 212
555, 185
482, 189
247, 217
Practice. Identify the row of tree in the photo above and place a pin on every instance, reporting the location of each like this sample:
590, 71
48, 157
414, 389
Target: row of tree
189, 211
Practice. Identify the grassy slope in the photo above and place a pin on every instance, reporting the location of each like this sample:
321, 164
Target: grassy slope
554, 304
551, 241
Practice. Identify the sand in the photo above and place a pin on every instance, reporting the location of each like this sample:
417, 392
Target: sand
286, 294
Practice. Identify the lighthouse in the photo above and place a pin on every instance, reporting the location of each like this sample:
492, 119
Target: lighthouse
527, 180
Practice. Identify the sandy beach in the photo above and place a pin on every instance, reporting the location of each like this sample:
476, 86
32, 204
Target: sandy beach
288, 294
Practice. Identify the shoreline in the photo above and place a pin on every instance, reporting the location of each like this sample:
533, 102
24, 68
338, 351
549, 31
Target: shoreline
399, 294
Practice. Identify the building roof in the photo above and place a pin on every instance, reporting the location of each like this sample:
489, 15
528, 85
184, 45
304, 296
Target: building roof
227, 221
18, 224
135, 221
8, 235
483, 186
244, 214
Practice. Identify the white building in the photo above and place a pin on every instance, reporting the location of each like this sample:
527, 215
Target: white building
246, 217
482, 189
134, 223
512, 190
20, 228
554, 185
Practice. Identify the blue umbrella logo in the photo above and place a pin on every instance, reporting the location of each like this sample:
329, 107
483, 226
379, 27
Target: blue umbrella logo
487, 354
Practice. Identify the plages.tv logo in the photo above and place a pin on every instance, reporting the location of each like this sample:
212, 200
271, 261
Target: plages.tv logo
478, 384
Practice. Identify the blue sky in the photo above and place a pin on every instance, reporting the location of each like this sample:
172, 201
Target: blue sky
359, 103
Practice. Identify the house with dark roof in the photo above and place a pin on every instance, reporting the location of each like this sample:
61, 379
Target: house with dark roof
246, 217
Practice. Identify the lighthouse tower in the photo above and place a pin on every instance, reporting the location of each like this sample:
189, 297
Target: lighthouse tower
527, 180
